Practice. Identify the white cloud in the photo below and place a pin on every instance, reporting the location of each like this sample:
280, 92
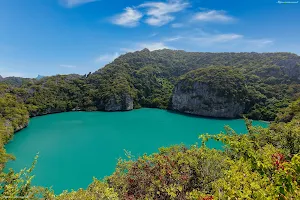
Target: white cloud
129, 18
260, 43
199, 39
222, 38
68, 66
153, 46
213, 16
106, 58
153, 34
208, 39
171, 39
73, 3
159, 21
177, 25
159, 12
235, 39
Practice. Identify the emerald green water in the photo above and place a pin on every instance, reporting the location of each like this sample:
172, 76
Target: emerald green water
74, 147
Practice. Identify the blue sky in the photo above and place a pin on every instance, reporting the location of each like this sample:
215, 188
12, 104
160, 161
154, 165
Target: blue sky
51, 37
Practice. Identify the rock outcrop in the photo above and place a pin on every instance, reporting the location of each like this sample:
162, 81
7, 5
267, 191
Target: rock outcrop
200, 95
22, 126
123, 103
291, 67
205, 102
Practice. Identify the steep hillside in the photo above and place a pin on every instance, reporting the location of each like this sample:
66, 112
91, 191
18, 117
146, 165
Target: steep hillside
212, 92
13, 117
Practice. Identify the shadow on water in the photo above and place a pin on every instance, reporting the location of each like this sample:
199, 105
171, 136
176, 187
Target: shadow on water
214, 118
202, 117
213, 144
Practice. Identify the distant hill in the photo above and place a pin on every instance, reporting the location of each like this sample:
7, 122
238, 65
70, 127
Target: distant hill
39, 77
14, 81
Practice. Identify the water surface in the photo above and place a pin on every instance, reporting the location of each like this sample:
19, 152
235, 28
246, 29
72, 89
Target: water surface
74, 147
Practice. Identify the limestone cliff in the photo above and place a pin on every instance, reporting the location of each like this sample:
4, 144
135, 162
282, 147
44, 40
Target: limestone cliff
123, 103
211, 92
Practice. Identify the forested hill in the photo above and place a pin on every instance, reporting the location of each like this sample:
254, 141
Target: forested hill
178, 62
14, 81
266, 82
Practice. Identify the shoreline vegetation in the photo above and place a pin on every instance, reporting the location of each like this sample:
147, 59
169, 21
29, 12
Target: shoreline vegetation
263, 164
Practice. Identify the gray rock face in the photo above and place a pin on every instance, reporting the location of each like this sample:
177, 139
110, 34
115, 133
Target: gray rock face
291, 67
124, 104
20, 127
201, 100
